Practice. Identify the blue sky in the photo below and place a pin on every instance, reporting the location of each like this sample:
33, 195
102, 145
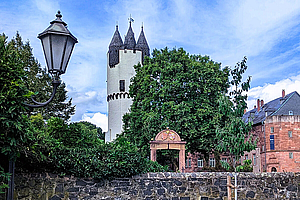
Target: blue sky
267, 32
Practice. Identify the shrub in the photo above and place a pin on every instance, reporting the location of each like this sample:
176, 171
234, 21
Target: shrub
76, 149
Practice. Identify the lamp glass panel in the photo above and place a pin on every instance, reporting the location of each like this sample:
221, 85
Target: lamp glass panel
69, 47
47, 51
58, 44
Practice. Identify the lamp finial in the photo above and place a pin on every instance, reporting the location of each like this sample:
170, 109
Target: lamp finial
58, 14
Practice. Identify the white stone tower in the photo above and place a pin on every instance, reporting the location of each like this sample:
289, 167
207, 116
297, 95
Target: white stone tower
121, 58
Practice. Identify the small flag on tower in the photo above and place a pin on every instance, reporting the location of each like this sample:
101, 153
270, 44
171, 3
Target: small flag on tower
130, 19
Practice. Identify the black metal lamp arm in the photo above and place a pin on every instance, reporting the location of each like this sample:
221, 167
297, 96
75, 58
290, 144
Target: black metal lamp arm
55, 83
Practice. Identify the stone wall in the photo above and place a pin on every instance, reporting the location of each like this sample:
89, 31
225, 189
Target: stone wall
171, 186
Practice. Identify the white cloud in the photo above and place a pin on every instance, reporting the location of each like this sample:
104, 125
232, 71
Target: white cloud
269, 92
46, 6
99, 119
87, 100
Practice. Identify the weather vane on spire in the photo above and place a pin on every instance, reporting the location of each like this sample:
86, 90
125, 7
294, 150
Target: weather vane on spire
130, 19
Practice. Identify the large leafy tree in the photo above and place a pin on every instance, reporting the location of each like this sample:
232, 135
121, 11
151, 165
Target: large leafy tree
176, 90
39, 82
233, 134
12, 95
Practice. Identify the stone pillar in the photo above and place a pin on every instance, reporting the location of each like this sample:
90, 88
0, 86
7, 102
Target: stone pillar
153, 154
182, 160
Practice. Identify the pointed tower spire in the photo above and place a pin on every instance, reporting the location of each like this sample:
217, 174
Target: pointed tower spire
115, 45
142, 44
129, 42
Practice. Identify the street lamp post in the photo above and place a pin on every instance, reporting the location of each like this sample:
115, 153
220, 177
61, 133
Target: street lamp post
58, 44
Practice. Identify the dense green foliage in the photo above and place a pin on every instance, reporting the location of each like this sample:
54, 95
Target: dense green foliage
12, 95
233, 133
4, 177
176, 90
76, 149
246, 167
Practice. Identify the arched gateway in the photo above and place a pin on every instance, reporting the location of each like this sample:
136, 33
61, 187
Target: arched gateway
168, 139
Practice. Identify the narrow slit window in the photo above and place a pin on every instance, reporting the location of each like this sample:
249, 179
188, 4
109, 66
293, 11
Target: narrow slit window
290, 134
122, 85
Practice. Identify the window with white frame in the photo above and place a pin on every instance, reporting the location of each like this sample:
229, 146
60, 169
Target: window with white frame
212, 162
224, 159
291, 155
200, 162
291, 112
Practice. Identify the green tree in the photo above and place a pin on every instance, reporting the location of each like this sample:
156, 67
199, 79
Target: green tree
91, 126
77, 134
40, 83
233, 134
12, 95
177, 90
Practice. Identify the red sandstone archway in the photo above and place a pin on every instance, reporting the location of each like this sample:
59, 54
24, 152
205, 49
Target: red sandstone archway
169, 139
272, 163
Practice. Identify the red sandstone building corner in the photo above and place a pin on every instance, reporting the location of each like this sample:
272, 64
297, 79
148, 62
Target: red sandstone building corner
276, 125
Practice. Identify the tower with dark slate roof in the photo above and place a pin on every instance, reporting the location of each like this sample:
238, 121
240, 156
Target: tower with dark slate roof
121, 59
115, 45
129, 42
142, 44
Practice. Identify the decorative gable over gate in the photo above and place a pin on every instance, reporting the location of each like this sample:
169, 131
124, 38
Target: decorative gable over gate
169, 139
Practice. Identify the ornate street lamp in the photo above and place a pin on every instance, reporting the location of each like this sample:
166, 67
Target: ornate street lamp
58, 44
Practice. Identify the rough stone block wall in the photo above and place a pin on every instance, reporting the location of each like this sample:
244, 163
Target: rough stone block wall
168, 186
